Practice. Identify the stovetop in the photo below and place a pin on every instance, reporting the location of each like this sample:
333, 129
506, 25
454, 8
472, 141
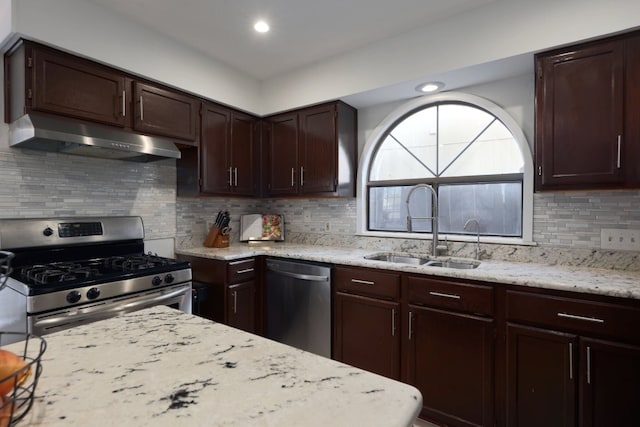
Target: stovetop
55, 276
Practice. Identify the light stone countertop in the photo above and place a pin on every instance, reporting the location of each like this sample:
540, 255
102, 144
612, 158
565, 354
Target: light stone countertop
160, 367
625, 284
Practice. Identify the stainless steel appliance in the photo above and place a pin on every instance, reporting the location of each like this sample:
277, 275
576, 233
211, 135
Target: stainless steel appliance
299, 304
73, 271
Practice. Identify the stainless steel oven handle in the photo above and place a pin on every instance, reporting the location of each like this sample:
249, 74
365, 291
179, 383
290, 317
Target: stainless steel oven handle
105, 310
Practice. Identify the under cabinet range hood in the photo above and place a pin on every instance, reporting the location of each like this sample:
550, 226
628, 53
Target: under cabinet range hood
52, 133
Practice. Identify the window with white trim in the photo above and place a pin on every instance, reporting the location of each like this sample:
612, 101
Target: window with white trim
461, 146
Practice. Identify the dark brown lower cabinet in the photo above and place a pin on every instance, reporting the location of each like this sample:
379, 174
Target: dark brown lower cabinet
367, 336
241, 305
609, 384
541, 377
450, 360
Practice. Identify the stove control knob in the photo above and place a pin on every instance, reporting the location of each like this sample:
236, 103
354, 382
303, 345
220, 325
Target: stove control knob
169, 278
73, 297
93, 293
156, 281
47, 231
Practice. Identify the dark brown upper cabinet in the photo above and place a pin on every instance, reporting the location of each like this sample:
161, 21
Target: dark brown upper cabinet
39, 78
227, 160
311, 152
164, 112
42, 79
587, 112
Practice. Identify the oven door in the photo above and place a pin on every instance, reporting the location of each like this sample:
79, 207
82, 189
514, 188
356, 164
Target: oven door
178, 296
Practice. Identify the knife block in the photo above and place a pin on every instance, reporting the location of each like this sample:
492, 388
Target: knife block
221, 241
210, 241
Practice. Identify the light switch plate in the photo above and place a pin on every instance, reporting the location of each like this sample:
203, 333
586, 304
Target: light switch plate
620, 239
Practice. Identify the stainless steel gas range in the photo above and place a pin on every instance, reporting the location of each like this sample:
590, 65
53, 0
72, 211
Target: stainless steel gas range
72, 271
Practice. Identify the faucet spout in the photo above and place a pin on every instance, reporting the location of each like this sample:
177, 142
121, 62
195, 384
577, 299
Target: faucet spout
473, 221
434, 218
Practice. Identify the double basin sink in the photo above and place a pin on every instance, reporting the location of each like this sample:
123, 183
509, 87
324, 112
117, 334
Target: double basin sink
422, 260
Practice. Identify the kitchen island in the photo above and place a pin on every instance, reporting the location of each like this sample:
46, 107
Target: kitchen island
162, 367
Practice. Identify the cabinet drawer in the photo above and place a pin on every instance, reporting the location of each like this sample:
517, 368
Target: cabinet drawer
368, 282
571, 314
241, 270
466, 297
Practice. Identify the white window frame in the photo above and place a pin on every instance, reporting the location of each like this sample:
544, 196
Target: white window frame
405, 109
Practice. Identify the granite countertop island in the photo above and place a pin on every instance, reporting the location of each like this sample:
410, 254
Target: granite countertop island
162, 367
616, 283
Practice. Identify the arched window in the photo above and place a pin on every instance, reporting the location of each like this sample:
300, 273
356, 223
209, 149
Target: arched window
469, 150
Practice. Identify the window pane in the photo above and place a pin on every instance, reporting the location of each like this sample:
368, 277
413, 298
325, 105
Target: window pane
496, 206
409, 151
494, 152
459, 125
388, 208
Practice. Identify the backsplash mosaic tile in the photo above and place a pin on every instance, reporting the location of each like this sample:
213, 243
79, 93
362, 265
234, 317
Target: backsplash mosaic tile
40, 184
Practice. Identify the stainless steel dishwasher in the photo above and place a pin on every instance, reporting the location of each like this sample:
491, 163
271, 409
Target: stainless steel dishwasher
299, 304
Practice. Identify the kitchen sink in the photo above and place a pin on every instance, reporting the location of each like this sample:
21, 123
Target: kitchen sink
422, 260
399, 258
453, 264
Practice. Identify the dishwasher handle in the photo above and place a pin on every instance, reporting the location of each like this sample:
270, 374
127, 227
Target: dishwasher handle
300, 276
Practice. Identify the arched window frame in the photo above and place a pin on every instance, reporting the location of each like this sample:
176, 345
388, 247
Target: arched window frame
378, 135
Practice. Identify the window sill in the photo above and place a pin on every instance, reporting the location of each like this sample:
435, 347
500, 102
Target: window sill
449, 237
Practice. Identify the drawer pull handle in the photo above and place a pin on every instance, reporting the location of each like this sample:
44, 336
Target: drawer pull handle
363, 282
588, 365
440, 294
570, 361
576, 317
240, 262
235, 302
246, 270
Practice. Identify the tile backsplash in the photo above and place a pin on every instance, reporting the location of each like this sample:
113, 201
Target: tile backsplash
40, 184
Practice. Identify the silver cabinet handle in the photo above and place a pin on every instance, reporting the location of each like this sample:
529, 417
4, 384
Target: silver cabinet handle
440, 294
246, 270
576, 317
570, 361
235, 176
230, 169
124, 104
410, 325
393, 322
235, 302
588, 365
293, 177
241, 261
301, 176
619, 147
141, 109
363, 282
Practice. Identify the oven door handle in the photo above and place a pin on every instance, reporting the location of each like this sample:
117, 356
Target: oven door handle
103, 310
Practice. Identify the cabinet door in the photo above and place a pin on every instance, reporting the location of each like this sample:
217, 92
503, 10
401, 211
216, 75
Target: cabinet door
164, 112
318, 150
73, 87
243, 154
541, 376
216, 172
367, 334
241, 306
579, 117
450, 360
631, 143
610, 384
282, 155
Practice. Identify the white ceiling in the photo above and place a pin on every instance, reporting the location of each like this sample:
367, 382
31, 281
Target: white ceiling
302, 31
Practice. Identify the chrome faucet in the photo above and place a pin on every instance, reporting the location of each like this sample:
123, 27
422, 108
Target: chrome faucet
434, 219
477, 224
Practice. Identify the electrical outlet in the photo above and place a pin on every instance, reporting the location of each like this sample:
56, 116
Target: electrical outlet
307, 216
620, 239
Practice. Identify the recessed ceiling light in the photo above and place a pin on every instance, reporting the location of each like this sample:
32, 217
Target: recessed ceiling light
430, 87
261, 27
